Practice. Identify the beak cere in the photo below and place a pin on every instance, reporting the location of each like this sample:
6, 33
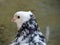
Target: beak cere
13, 19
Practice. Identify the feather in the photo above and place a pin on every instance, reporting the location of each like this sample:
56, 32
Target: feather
29, 32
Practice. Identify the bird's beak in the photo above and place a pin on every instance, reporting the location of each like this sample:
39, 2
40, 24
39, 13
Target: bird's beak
13, 19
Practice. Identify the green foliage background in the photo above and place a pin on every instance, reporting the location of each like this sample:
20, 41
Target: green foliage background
47, 13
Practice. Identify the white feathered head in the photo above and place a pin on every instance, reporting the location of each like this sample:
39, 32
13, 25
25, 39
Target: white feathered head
20, 17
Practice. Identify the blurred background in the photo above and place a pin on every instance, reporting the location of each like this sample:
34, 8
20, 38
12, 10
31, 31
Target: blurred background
47, 13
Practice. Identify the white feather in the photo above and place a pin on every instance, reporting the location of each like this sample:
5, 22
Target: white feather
24, 16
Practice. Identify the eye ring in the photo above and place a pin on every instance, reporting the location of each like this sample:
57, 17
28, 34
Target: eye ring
18, 17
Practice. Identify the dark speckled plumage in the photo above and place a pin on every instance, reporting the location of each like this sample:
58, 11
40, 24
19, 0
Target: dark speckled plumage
30, 34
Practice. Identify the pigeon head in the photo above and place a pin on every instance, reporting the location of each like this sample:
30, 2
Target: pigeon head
20, 17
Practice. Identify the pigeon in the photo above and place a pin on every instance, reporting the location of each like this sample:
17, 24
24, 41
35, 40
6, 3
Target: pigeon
28, 30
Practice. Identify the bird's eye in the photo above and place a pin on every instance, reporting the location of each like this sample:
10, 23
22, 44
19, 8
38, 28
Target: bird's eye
18, 17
